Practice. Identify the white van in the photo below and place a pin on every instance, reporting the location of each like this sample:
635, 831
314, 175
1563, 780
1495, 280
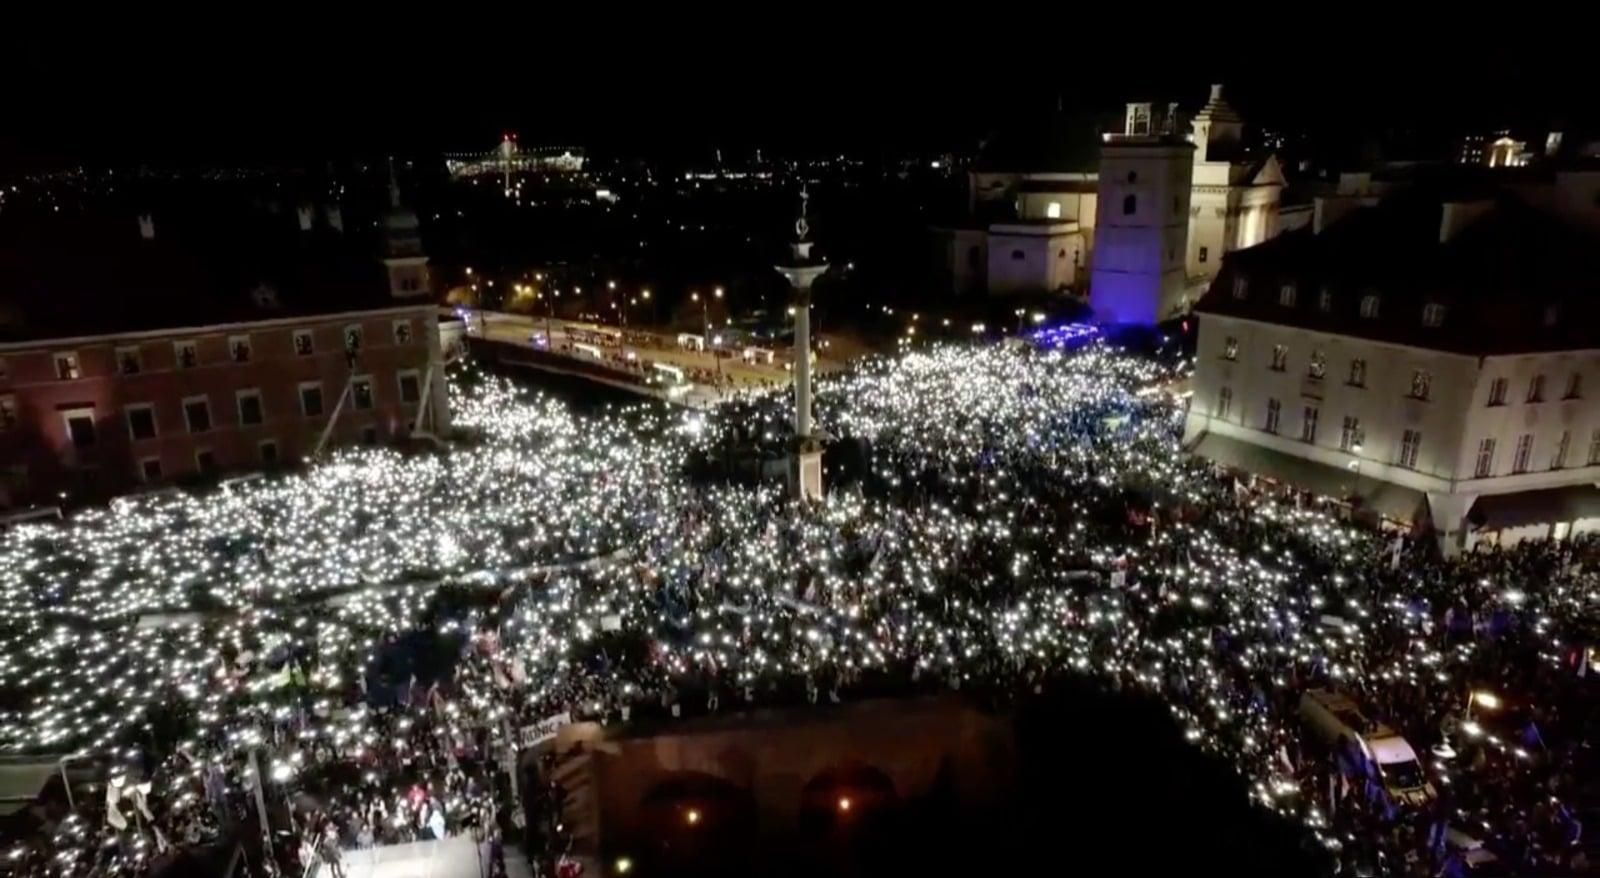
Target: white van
1337, 720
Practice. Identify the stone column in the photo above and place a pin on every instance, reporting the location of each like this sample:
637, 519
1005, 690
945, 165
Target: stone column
802, 364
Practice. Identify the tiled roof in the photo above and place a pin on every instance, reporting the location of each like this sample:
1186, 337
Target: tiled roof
1511, 280
94, 275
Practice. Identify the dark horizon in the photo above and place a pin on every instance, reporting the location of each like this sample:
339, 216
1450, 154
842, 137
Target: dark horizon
178, 109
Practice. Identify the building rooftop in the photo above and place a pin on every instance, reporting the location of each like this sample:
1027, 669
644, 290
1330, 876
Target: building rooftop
97, 274
1510, 278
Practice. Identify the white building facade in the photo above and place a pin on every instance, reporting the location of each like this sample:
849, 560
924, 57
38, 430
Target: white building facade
1431, 404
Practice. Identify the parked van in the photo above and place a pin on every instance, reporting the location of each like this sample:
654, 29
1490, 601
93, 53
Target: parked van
1383, 753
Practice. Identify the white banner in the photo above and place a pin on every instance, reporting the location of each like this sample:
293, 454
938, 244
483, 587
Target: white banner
544, 729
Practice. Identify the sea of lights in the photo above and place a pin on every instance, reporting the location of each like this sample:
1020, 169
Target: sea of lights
1004, 489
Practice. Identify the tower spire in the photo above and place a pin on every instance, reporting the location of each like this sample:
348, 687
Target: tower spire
394, 186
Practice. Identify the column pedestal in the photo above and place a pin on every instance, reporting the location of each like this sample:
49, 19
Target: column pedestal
805, 472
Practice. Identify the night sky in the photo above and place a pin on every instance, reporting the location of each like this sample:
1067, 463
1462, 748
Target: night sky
257, 98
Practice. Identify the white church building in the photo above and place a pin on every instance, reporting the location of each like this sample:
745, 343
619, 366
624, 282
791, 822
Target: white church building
1032, 218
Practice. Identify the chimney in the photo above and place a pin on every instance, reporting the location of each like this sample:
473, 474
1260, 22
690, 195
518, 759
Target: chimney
305, 214
1457, 215
147, 227
335, 217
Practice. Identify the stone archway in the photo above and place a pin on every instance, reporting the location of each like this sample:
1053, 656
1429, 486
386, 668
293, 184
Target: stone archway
692, 822
846, 796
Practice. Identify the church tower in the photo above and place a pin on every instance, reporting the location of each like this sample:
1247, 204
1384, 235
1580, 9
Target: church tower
402, 248
1142, 219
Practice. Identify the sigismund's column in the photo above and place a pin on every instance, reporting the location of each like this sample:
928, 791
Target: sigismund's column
801, 271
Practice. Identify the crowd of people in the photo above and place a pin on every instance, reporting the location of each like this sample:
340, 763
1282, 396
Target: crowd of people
362, 642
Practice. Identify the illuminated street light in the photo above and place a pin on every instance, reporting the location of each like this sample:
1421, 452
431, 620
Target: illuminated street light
844, 804
624, 865
692, 817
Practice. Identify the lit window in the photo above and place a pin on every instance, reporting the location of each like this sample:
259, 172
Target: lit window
352, 339
1410, 443
67, 367
1241, 287
1358, 373
1230, 348
1497, 391
1369, 307
1485, 465
361, 393
1432, 315
187, 354
1536, 389
1274, 409
1519, 461
1280, 357
1421, 383
1317, 367
1286, 295
402, 332
239, 348
1325, 299
303, 346
1053, 210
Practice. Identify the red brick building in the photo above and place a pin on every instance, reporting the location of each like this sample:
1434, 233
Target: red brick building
155, 352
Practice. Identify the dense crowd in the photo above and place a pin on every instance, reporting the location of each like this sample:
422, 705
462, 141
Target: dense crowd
365, 640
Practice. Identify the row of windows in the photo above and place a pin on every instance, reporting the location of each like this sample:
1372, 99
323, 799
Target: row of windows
1433, 313
1522, 455
1421, 379
205, 460
141, 417
130, 359
1536, 386
1351, 436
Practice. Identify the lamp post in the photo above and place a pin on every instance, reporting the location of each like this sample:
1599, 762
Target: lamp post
1355, 464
